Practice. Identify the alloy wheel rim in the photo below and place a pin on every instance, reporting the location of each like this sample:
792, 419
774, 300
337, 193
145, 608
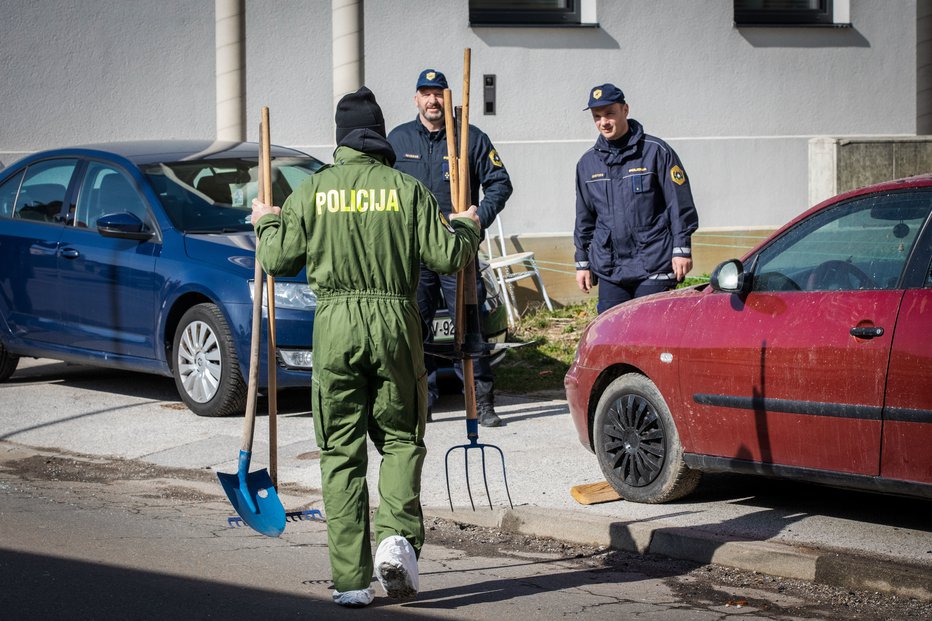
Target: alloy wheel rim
635, 440
199, 361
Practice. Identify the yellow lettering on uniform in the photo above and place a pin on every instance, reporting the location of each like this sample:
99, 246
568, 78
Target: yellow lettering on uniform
362, 201
380, 206
392, 200
344, 206
321, 199
333, 199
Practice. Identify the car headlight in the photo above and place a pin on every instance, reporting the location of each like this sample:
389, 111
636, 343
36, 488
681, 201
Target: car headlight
297, 358
294, 295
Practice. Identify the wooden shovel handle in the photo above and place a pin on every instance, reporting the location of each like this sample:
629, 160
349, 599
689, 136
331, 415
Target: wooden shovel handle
252, 387
265, 193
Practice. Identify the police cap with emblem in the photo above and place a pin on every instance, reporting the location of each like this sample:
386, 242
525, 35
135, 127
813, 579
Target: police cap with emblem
431, 78
359, 110
605, 95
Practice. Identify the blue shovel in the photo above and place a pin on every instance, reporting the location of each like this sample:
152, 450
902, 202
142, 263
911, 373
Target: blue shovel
253, 494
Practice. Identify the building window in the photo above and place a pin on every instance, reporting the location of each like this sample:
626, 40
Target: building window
525, 12
786, 13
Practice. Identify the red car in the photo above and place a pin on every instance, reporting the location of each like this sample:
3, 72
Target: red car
810, 358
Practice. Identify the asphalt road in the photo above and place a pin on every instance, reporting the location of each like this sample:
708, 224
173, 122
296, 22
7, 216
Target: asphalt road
745, 522
105, 538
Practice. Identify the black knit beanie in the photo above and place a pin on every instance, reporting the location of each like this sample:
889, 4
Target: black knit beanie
359, 110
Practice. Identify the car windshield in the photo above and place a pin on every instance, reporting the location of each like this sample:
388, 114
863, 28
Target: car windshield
215, 195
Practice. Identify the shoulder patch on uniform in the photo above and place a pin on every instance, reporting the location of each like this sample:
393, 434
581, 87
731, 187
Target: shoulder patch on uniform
412, 156
678, 176
496, 161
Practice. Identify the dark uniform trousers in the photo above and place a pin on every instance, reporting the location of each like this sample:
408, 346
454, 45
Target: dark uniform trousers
428, 301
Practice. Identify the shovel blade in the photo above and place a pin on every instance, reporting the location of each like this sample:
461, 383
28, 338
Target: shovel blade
258, 503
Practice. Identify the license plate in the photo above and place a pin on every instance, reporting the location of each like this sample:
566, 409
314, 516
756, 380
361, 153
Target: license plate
443, 329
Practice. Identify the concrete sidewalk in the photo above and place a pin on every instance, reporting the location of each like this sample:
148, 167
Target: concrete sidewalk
794, 530
839, 537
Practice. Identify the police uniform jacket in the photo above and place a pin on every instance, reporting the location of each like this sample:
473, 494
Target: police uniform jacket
634, 208
423, 155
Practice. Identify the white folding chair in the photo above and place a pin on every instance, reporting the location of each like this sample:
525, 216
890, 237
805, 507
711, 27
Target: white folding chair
501, 262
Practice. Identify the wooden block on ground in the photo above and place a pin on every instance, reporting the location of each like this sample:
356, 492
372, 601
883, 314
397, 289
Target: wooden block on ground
594, 493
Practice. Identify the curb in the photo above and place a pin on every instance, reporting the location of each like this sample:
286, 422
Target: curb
832, 568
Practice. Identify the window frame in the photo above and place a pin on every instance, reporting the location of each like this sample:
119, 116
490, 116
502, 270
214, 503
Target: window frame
571, 16
18, 176
81, 188
823, 17
59, 218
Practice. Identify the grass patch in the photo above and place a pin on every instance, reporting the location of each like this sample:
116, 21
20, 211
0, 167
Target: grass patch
541, 367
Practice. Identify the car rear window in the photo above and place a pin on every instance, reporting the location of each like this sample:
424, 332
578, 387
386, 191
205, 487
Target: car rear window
214, 196
43, 190
8, 192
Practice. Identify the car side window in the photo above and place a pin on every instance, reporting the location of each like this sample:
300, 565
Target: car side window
860, 244
8, 192
43, 190
106, 190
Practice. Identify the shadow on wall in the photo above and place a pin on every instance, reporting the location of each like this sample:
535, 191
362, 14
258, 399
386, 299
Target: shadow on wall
803, 37
530, 38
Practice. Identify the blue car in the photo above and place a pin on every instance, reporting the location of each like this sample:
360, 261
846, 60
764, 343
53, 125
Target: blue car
139, 256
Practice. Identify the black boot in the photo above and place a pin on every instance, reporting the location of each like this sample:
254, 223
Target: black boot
487, 416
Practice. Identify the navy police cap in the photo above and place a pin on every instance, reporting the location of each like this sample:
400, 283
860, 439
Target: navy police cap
604, 95
431, 78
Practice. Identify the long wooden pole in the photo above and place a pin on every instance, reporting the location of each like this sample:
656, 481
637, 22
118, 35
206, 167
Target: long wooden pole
453, 167
265, 195
467, 277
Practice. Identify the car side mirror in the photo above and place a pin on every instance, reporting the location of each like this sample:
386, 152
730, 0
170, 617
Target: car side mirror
123, 225
730, 277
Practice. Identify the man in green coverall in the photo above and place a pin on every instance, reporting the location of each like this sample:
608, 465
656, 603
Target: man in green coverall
362, 229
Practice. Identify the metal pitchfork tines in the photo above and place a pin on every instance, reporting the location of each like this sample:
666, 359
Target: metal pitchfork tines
469, 343
290, 516
472, 433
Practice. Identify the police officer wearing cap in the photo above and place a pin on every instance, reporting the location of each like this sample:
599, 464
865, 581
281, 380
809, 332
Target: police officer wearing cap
421, 151
634, 209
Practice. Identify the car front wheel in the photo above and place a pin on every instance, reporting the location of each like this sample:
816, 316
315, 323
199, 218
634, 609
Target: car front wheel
8, 363
206, 367
637, 444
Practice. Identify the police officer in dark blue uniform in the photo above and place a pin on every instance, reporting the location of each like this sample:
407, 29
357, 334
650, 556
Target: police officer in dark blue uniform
421, 151
634, 210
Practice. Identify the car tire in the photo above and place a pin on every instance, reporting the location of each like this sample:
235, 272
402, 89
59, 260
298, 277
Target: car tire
637, 445
205, 364
8, 363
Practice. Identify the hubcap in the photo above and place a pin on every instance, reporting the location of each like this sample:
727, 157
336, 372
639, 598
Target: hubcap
199, 361
634, 440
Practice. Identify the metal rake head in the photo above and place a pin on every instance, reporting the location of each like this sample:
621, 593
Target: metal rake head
475, 444
290, 516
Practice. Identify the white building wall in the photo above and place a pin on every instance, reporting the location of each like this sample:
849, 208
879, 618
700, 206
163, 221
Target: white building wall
739, 105
288, 69
78, 72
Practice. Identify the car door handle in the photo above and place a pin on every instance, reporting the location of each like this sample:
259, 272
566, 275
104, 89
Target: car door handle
70, 253
866, 332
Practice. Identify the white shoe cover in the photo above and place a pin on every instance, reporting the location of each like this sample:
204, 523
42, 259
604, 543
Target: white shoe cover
354, 599
396, 567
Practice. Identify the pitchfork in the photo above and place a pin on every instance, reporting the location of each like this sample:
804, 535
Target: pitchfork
468, 340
